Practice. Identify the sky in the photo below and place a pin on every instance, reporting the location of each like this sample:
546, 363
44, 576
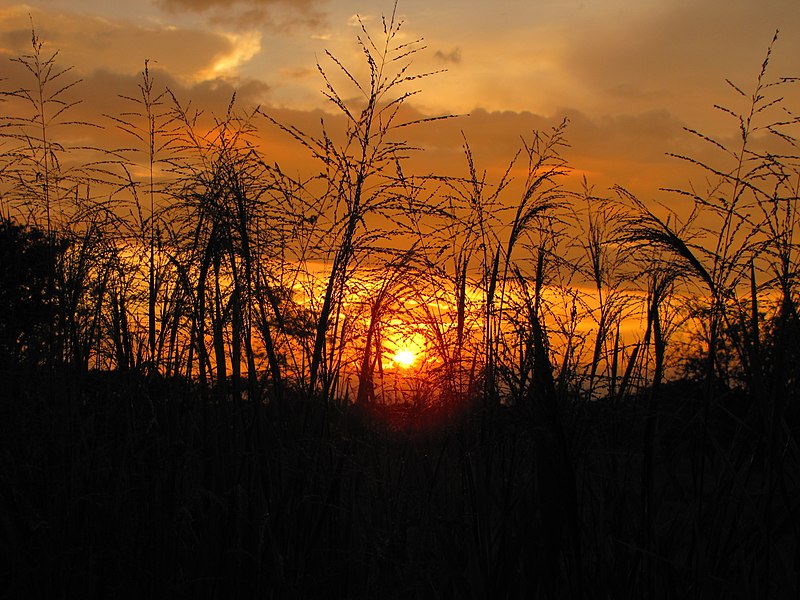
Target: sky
628, 75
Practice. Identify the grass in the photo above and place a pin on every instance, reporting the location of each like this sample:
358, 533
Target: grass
130, 487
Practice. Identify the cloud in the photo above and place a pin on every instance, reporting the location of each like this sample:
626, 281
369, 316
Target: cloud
628, 150
680, 52
88, 125
607, 57
298, 72
102, 93
205, 5
89, 43
108, 58
275, 15
452, 57
243, 47
631, 77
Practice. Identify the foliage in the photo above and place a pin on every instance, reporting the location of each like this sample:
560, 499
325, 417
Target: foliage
27, 263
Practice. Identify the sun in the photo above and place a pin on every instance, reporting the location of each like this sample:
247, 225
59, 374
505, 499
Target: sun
404, 358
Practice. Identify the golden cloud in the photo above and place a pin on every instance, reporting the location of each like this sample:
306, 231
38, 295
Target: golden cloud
90, 43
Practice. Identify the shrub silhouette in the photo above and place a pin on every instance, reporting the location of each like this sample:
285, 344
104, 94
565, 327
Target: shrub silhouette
27, 263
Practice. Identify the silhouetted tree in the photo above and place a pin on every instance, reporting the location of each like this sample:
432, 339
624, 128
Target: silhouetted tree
26, 295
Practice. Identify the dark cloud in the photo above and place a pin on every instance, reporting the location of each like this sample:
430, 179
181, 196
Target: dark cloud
100, 95
453, 56
630, 150
280, 15
203, 5
89, 125
299, 72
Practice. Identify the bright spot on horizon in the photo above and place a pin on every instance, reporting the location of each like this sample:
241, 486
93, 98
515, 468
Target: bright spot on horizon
404, 358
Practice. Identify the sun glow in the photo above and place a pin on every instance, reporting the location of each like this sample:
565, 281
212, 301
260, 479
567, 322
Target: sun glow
404, 358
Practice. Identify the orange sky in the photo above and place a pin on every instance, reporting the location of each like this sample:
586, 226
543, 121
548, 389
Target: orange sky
628, 75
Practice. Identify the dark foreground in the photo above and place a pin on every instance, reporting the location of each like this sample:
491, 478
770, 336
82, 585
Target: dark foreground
119, 486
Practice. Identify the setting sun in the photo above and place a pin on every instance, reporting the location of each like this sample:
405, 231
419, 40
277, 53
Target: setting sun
404, 358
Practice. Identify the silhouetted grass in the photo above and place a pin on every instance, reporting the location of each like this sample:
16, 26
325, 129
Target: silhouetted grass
128, 486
